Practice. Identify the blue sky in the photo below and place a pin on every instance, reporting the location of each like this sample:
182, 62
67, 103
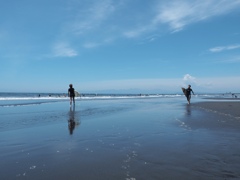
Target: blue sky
135, 46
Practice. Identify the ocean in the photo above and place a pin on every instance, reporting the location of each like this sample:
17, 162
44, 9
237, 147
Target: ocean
19, 99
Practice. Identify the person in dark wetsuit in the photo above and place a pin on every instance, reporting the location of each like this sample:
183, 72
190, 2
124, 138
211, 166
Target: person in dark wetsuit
188, 93
71, 94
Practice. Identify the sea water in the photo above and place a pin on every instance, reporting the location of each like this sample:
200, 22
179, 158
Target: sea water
19, 99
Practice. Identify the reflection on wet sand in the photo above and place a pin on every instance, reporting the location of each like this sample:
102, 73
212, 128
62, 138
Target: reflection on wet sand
73, 120
188, 110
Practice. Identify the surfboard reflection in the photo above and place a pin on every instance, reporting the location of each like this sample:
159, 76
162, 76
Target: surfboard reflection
73, 120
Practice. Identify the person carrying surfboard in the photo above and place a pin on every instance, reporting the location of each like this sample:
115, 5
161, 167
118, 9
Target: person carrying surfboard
71, 94
188, 93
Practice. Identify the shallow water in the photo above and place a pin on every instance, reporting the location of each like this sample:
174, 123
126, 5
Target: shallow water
117, 139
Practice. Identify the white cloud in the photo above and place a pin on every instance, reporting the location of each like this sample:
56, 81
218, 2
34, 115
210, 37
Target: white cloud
94, 21
179, 13
224, 48
189, 78
63, 50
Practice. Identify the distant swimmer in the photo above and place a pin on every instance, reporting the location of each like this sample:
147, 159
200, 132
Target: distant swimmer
188, 93
71, 94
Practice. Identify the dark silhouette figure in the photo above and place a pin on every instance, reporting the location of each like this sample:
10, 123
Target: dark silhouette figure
71, 94
188, 93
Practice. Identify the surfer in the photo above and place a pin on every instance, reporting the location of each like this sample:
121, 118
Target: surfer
188, 93
71, 94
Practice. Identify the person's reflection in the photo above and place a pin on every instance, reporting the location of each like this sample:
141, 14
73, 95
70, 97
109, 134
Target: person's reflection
72, 122
188, 110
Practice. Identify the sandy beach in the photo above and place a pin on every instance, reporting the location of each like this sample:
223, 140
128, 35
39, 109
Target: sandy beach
229, 107
127, 139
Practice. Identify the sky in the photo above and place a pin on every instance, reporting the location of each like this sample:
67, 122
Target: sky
120, 46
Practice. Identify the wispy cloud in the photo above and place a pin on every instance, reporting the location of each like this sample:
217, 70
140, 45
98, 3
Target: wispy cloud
90, 45
224, 48
136, 32
64, 50
94, 21
231, 60
179, 13
88, 25
92, 17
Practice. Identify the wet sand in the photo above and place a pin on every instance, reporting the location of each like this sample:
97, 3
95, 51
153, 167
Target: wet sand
228, 107
120, 139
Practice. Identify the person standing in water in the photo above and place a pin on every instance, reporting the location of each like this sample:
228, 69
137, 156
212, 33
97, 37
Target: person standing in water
71, 94
188, 93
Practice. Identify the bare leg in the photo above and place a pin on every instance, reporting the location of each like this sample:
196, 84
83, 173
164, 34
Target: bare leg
189, 98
